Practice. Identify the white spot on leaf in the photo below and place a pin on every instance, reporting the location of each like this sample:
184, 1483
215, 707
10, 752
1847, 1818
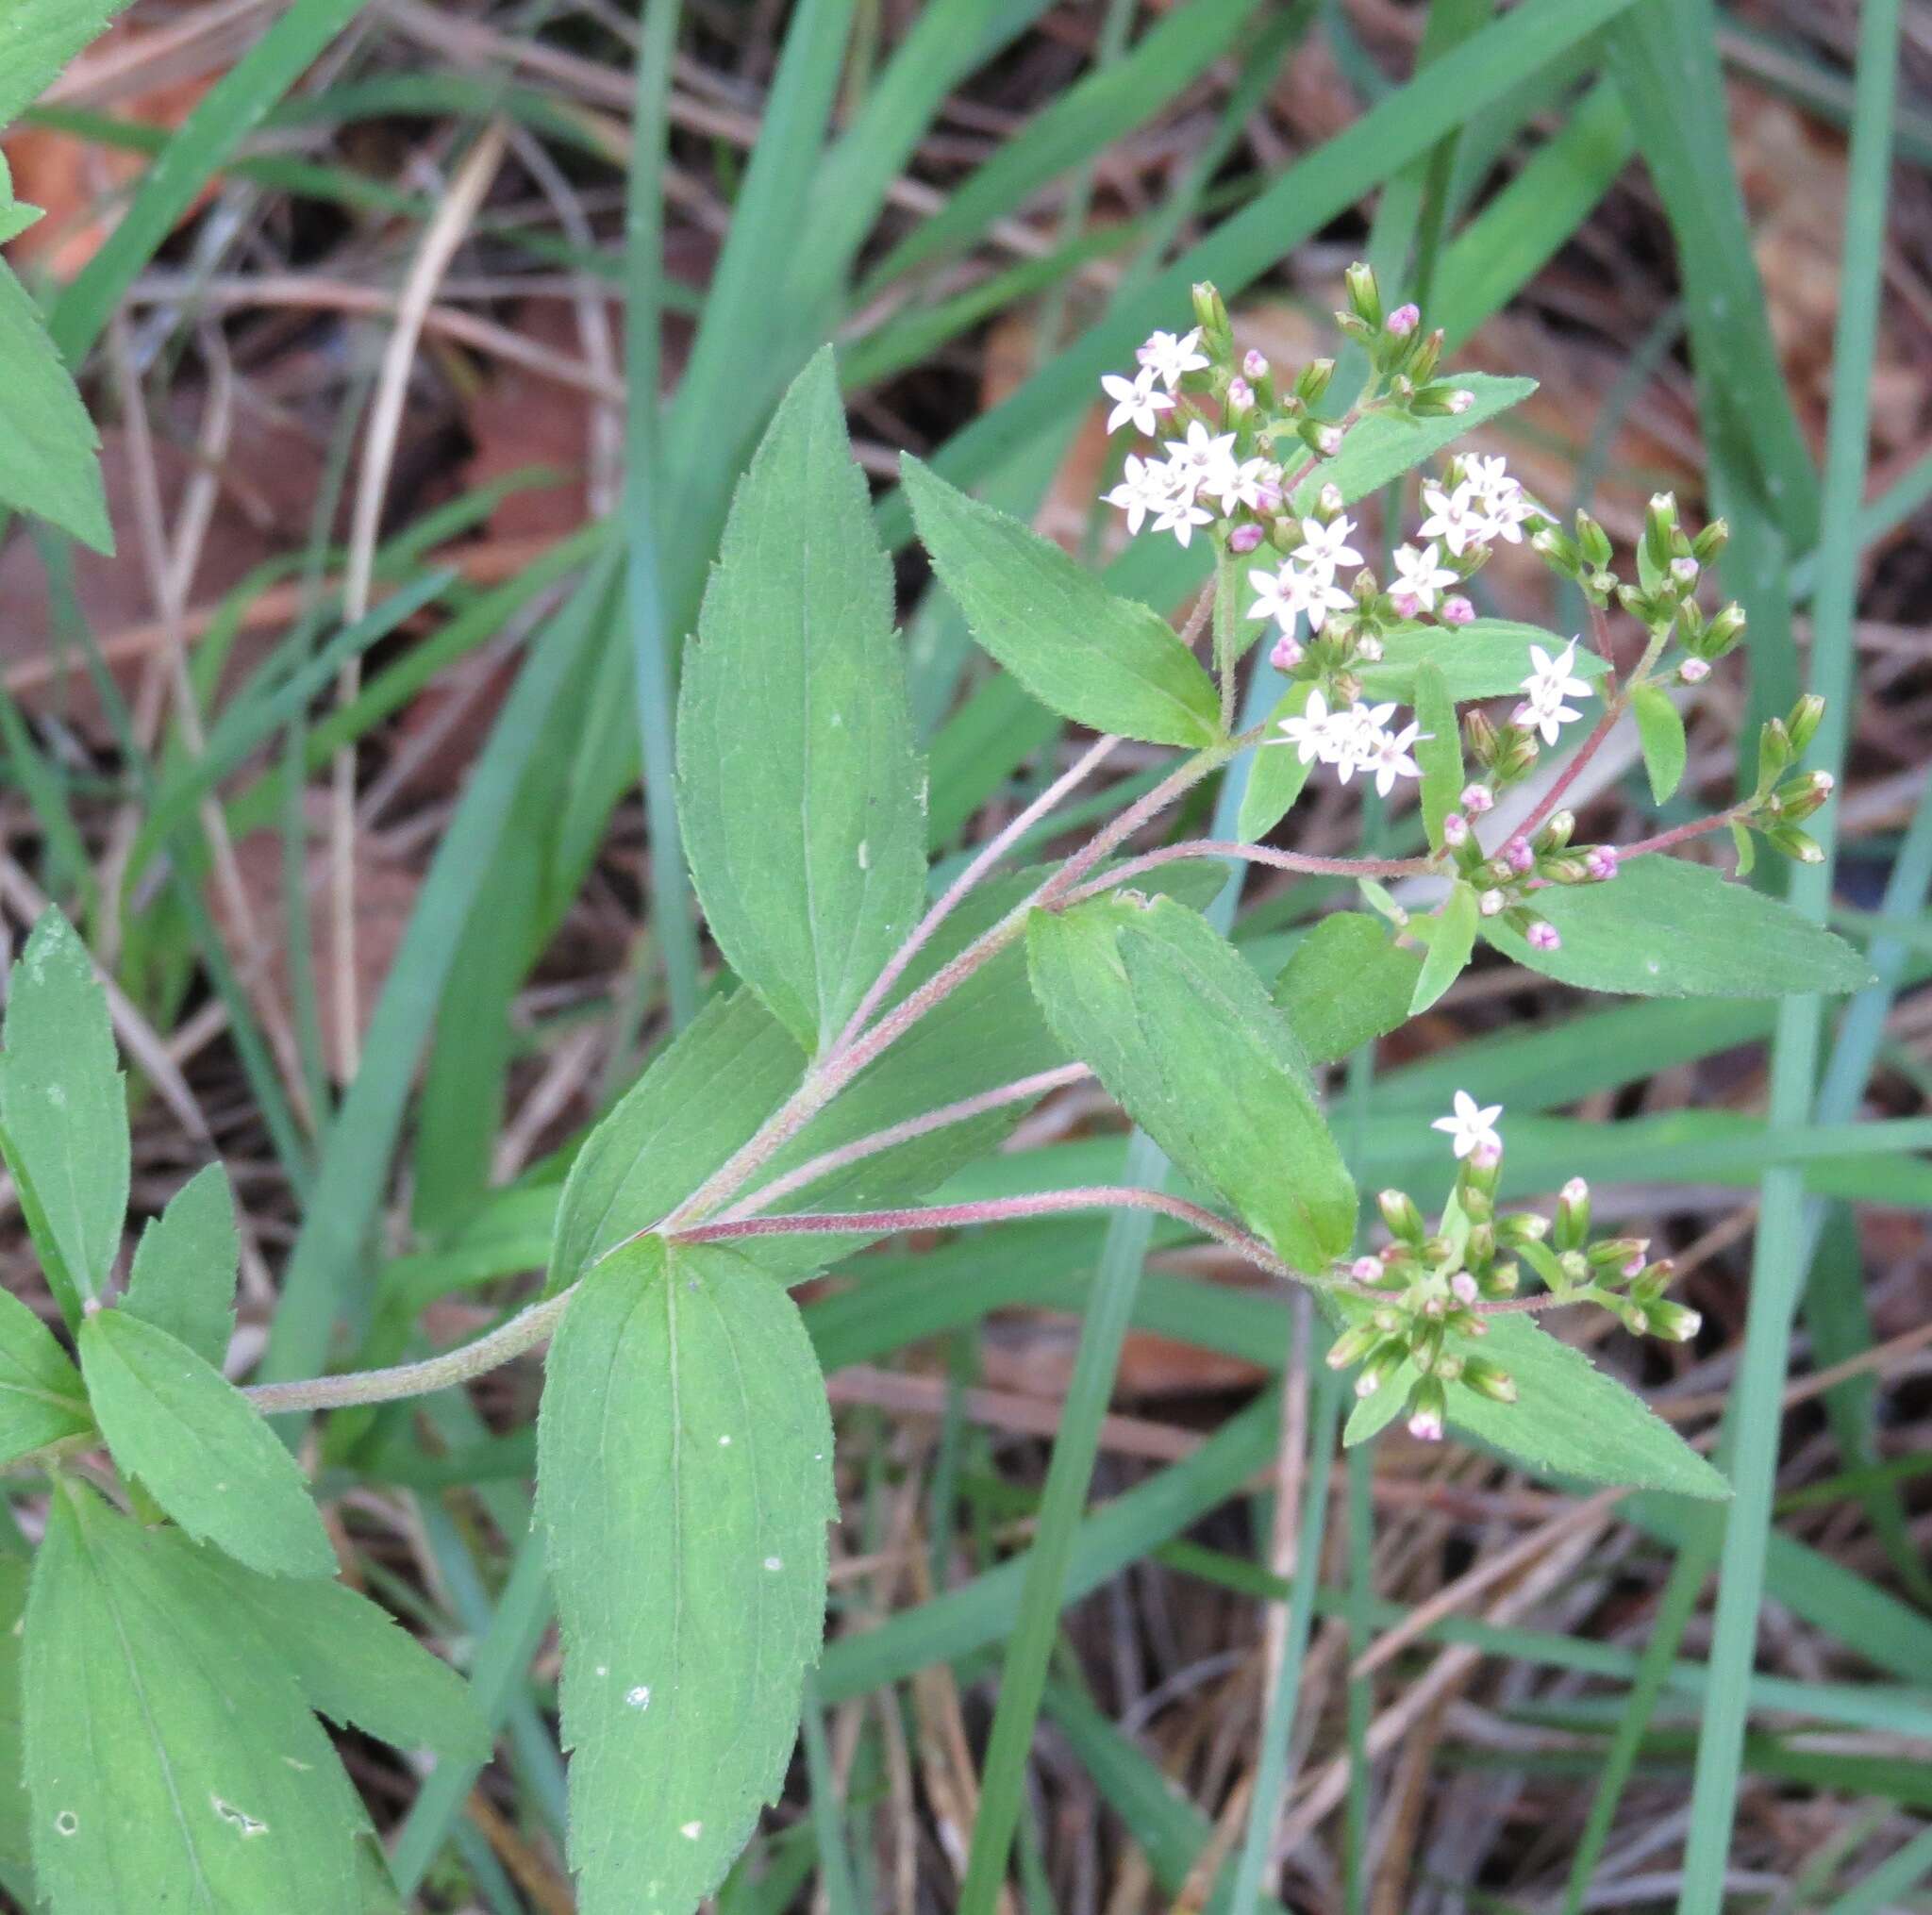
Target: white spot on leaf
691, 1830
67, 1822
238, 1819
864, 854
774, 1562
724, 1442
639, 1697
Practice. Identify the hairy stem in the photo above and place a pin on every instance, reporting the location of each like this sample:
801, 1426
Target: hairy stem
986, 857
523, 1331
994, 1211
1253, 854
1677, 834
1019, 1091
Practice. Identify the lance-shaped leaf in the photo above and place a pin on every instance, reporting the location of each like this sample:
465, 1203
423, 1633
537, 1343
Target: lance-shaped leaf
185, 1265
64, 1110
171, 1760
1279, 772
1100, 660
49, 460
353, 1663
40, 1395
208, 1460
1384, 446
41, 36
1437, 749
1660, 732
1570, 1418
799, 787
1489, 658
1452, 938
1346, 983
1178, 1027
1665, 927
684, 1481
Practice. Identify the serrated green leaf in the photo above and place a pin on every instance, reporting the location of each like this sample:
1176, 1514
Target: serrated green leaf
1098, 660
1346, 983
1570, 1418
1665, 927
1178, 1027
16, 217
1438, 748
185, 1266
1278, 773
1660, 732
1384, 446
1452, 940
42, 1399
49, 450
684, 1472
799, 787
171, 1761
64, 1107
355, 1664
196, 1443
41, 37
1487, 658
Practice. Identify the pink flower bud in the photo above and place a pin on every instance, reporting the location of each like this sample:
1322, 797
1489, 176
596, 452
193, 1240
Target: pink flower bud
1485, 1156
1328, 440
1519, 856
1823, 783
1461, 399
1240, 395
1365, 1384
1462, 1287
1245, 537
1543, 935
1602, 861
1426, 1425
1285, 655
1330, 500
1405, 320
1574, 1191
1477, 799
1684, 571
1407, 604
1455, 830
1491, 904
1254, 365
1368, 651
1458, 612
1694, 670
1365, 1269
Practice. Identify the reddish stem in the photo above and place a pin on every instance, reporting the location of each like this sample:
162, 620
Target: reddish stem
1255, 854
992, 1210
1573, 771
1678, 834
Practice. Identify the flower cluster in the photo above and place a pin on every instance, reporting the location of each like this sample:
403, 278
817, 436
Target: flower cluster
1356, 737
1426, 1295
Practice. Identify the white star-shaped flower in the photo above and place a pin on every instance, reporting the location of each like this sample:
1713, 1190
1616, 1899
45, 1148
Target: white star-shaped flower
1471, 1127
1179, 514
1422, 575
1145, 487
1311, 731
1455, 517
1167, 357
1136, 402
1325, 548
1252, 482
1549, 683
1392, 757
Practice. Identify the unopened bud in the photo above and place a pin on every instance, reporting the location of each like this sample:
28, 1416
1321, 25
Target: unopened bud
1794, 844
1254, 365
1462, 1287
1518, 856
1572, 1216
1489, 1380
1400, 1214
1364, 294
1404, 320
1241, 398
1802, 725
1352, 1345
1286, 653
1457, 610
1685, 571
1455, 830
1671, 1320
1773, 752
1711, 541
1384, 1361
1593, 541
1477, 799
1600, 862
1693, 672
1556, 832
1211, 311
1244, 539
1491, 904
1798, 798
1543, 935
1724, 630
1615, 1253
1522, 1226
1426, 1410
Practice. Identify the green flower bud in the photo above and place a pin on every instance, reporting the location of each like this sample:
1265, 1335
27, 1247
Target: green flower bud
1617, 1252
1522, 1226
1400, 1214
1352, 1345
1798, 798
1594, 542
1314, 380
1499, 1280
1384, 1361
1709, 543
1489, 1380
1794, 844
1774, 753
1723, 631
1441, 400
1364, 294
1556, 832
1427, 1409
1572, 1216
1802, 725
1671, 1320
1210, 314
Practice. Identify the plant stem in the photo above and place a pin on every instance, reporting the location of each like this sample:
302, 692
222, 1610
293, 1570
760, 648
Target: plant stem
986, 859
523, 1331
1019, 1091
1677, 834
1226, 653
1253, 854
992, 1210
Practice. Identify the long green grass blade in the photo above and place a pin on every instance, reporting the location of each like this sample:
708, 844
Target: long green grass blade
1777, 1273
